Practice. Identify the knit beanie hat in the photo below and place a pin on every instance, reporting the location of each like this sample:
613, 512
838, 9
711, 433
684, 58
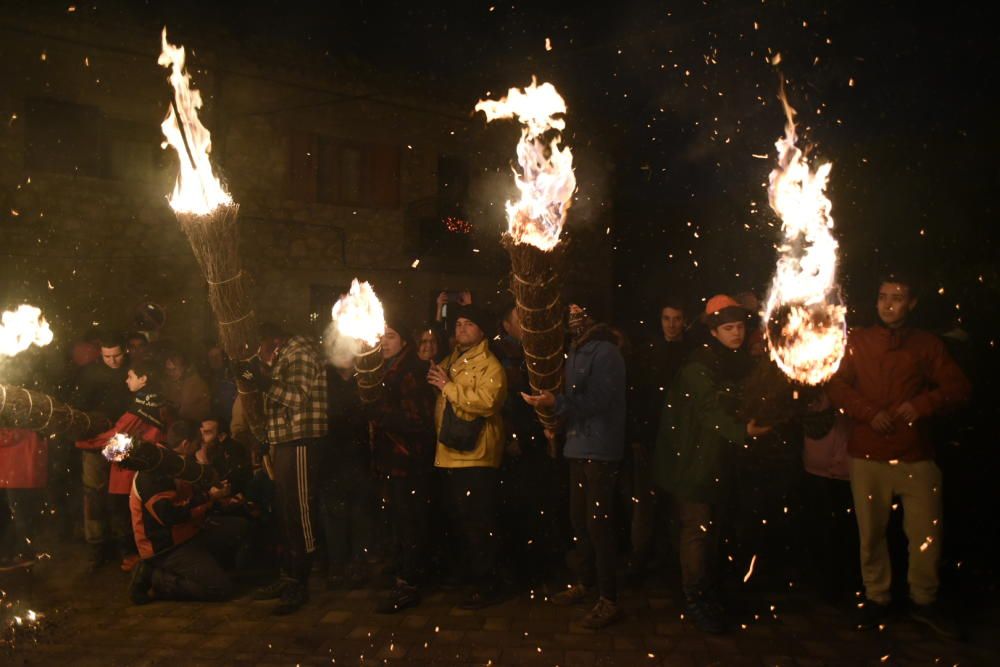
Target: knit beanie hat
723, 309
474, 314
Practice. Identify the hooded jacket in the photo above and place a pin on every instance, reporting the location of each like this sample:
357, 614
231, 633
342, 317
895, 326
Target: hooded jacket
477, 388
883, 369
593, 404
699, 426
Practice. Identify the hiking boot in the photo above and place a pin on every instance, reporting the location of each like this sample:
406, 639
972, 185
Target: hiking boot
707, 617
871, 615
402, 596
141, 584
575, 594
271, 591
293, 596
603, 614
480, 599
933, 616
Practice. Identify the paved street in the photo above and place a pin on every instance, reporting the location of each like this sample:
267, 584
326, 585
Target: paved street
89, 622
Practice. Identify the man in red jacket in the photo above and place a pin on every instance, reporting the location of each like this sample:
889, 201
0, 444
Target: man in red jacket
892, 380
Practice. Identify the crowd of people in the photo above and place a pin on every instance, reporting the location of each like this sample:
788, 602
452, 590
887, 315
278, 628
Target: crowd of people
448, 479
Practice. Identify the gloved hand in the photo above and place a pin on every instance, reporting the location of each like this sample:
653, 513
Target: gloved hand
254, 372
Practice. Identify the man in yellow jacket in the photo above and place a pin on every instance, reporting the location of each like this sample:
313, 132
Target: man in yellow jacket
473, 388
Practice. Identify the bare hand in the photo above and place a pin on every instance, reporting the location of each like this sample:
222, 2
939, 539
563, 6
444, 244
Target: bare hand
907, 412
442, 299
437, 376
882, 423
753, 430
220, 492
545, 399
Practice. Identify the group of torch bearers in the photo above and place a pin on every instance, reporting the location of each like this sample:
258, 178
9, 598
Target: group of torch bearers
578, 394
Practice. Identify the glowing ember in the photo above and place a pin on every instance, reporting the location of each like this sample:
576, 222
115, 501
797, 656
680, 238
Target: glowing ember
359, 314
197, 190
804, 318
546, 180
22, 328
118, 447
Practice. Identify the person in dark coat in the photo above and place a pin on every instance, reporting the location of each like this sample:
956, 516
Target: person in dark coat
592, 414
695, 451
403, 441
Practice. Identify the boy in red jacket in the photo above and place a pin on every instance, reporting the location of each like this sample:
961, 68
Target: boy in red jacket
892, 380
144, 420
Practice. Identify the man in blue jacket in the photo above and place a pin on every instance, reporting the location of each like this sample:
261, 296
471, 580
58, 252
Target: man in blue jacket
592, 413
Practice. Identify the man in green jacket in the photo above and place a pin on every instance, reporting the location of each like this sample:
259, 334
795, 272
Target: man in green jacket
699, 430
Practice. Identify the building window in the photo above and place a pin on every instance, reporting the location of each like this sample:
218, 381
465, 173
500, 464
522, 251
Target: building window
347, 173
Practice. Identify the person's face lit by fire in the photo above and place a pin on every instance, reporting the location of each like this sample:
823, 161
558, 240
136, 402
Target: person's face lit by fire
209, 432
730, 334
113, 357
512, 325
467, 333
894, 304
392, 343
136, 345
268, 350
672, 323
175, 369
427, 350
135, 382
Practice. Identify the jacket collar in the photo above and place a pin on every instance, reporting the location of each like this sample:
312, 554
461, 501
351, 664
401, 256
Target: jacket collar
475, 352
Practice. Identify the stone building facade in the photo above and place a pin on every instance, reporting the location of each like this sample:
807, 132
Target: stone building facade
339, 173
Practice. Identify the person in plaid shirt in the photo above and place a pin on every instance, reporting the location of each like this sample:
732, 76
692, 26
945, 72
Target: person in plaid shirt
295, 412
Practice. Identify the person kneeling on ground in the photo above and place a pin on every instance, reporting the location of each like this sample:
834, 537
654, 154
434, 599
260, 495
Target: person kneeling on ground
180, 549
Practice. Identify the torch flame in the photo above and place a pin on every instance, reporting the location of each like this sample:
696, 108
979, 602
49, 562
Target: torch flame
359, 315
22, 328
804, 319
546, 180
197, 190
118, 447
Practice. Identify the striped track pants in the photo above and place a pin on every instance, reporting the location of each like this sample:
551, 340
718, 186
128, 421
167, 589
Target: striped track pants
296, 487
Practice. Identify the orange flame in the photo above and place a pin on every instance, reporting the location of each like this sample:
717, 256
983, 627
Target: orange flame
359, 315
804, 319
118, 447
546, 181
22, 328
197, 191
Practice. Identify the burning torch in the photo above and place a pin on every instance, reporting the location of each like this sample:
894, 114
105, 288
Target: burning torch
804, 317
546, 184
207, 214
360, 323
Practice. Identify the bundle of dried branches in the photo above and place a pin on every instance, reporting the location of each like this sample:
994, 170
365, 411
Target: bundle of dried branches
143, 456
369, 366
536, 284
214, 239
34, 411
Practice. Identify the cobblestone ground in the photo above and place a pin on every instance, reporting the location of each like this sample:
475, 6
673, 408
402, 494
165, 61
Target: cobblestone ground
88, 621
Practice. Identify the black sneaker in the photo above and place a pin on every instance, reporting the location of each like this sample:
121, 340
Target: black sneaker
871, 615
271, 591
403, 596
480, 599
934, 618
141, 583
706, 617
293, 597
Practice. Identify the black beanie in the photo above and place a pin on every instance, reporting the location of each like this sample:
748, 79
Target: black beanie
474, 314
397, 325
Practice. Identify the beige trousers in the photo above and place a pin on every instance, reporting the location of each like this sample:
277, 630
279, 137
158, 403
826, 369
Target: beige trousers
918, 485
